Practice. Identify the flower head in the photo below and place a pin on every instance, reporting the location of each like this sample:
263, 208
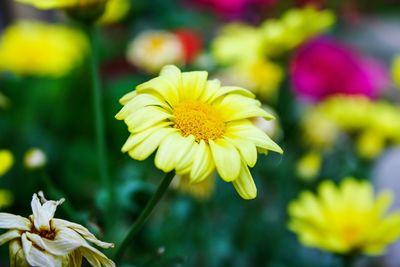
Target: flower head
151, 50
345, 219
42, 240
58, 4
294, 27
227, 47
323, 67
196, 125
6, 161
35, 48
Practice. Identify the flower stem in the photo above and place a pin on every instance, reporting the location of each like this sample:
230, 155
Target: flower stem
102, 162
144, 215
349, 260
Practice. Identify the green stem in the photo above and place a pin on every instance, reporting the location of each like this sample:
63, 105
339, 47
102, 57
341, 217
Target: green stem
102, 162
349, 260
144, 215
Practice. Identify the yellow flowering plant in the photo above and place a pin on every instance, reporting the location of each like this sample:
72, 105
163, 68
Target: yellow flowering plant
196, 126
345, 219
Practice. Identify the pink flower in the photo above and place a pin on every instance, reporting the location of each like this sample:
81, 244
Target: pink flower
232, 9
323, 67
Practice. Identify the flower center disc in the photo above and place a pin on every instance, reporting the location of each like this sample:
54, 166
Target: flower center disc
198, 119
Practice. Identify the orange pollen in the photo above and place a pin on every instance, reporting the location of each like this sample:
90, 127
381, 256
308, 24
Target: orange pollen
350, 234
198, 119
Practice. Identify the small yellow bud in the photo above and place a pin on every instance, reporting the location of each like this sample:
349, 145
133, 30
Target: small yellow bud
370, 144
309, 166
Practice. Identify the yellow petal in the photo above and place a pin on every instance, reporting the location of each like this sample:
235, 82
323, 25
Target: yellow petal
146, 117
193, 85
203, 164
244, 184
226, 158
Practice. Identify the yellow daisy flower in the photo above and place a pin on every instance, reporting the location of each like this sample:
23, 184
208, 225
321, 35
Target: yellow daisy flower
196, 125
345, 219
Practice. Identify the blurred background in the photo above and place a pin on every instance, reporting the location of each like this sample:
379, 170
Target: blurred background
329, 70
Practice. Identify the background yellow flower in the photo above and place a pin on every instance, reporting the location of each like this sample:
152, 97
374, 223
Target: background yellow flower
36, 48
345, 219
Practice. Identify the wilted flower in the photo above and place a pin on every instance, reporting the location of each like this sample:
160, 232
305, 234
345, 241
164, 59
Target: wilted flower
197, 126
115, 11
151, 50
323, 67
35, 48
237, 42
6, 161
42, 240
309, 165
262, 77
35, 158
345, 219
295, 27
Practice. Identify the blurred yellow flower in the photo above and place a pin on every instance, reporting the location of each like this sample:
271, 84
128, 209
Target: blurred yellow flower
151, 50
294, 27
237, 42
260, 76
200, 191
378, 122
198, 126
396, 70
34, 158
308, 167
42, 240
6, 198
115, 11
345, 219
6, 161
58, 4
35, 48
318, 131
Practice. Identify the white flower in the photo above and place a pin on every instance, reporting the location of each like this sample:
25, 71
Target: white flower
44, 241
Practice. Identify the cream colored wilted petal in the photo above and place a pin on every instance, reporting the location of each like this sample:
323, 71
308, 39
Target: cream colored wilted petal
95, 257
84, 232
11, 221
42, 214
64, 243
8, 236
36, 257
17, 257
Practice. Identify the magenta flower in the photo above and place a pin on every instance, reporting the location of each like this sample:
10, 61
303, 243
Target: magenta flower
233, 9
323, 67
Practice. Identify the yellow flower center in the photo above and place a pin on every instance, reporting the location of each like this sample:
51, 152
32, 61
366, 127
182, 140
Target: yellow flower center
350, 234
198, 119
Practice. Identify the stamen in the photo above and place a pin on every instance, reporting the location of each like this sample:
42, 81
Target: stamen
198, 119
